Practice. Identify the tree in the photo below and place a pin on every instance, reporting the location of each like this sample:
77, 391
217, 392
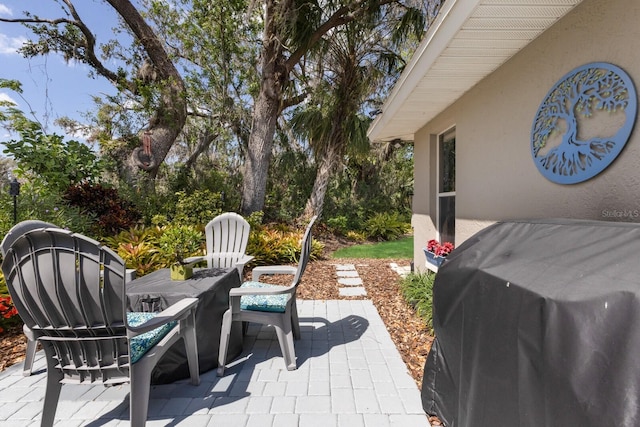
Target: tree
156, 83
292, 28
357, 64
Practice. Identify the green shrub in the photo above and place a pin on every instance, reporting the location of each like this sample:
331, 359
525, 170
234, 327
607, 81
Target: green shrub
386, 226
356, 236
57, 162
178, 242
38, 203
417, 290
197, 207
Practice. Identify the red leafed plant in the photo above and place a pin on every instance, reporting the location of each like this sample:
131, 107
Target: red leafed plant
439, 249
8, 313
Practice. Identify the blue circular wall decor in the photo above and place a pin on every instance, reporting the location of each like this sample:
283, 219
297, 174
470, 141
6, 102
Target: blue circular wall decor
571, 102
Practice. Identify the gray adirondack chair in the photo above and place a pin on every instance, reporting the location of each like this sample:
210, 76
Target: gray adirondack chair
268, 304
70, 292
15, 232
227, 236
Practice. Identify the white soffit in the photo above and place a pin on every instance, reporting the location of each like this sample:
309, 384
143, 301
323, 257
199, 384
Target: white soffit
468, 40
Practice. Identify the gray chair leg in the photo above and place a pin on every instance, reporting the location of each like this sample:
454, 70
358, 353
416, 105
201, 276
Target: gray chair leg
225, 332
191, 347
30, 355
139, 395
52, 393
295, 322
285, 338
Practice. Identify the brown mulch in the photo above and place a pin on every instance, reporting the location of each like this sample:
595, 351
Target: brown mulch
320, 282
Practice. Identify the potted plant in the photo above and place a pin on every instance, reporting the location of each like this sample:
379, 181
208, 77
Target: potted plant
180, 242
436, 252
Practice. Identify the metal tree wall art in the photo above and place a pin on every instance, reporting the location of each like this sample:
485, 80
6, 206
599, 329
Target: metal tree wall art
562, 150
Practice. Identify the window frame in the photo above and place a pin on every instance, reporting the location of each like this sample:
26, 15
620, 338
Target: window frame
442, 137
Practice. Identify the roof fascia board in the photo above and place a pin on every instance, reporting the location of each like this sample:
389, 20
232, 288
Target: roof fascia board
452, 16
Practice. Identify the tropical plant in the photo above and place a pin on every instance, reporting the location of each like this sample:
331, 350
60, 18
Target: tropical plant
386, 226
279, 244
417, 290
138, 247
112, 214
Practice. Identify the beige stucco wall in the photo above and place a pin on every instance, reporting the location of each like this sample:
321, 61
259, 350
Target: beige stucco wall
495, 175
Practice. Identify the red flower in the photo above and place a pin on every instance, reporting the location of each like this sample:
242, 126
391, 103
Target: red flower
439, 249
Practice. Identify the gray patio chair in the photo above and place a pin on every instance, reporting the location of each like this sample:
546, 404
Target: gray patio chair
70, 292
268, 304
227, 236
15, 232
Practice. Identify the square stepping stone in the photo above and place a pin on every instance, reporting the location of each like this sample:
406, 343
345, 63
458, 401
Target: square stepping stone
347, 273
342, 267
350, 281
353, 292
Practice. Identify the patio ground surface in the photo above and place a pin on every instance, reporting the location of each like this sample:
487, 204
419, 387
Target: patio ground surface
349, 374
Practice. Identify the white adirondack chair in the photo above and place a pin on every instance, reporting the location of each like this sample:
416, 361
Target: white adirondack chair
227, 236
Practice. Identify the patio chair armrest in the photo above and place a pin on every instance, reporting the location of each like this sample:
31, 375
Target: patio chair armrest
176, 311
245, 259
272, 269
194, 259
276, 290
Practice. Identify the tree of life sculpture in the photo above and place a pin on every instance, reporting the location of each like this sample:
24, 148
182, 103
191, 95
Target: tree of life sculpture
570, 104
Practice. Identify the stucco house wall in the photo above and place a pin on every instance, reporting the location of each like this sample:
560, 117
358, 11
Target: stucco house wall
495, 175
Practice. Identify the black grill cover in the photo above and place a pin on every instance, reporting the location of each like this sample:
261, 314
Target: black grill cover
538, 324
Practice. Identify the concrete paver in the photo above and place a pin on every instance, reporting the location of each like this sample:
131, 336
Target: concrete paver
349, 374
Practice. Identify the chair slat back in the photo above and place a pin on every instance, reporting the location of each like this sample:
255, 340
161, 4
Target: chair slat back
69, 290
228, 232
64, 283
225, 259
305, 252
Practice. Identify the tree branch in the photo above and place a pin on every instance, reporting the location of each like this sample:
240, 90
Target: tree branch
89, 55
341, 16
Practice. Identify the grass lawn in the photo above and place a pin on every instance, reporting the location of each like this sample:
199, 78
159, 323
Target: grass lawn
398, 249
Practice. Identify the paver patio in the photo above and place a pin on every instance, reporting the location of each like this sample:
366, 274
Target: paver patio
349, 374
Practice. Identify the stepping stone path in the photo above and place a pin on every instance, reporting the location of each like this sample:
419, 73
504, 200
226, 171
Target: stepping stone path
403, 271
349, 281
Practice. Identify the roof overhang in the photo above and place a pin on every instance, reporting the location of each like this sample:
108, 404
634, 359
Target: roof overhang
468, 40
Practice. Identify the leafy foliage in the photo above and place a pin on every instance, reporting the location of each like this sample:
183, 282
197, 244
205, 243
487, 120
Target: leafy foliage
417, 290
58, 163
8, 313
278, 244
111, 212
138, 247
386, 226
180, 241
197, 207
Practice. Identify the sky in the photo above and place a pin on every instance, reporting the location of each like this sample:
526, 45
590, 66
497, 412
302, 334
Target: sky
52, 87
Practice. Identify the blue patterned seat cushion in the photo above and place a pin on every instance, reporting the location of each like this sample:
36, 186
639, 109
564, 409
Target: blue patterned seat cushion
275, 303
140, 344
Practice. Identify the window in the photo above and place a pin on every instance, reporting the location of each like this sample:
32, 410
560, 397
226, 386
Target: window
446, 203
